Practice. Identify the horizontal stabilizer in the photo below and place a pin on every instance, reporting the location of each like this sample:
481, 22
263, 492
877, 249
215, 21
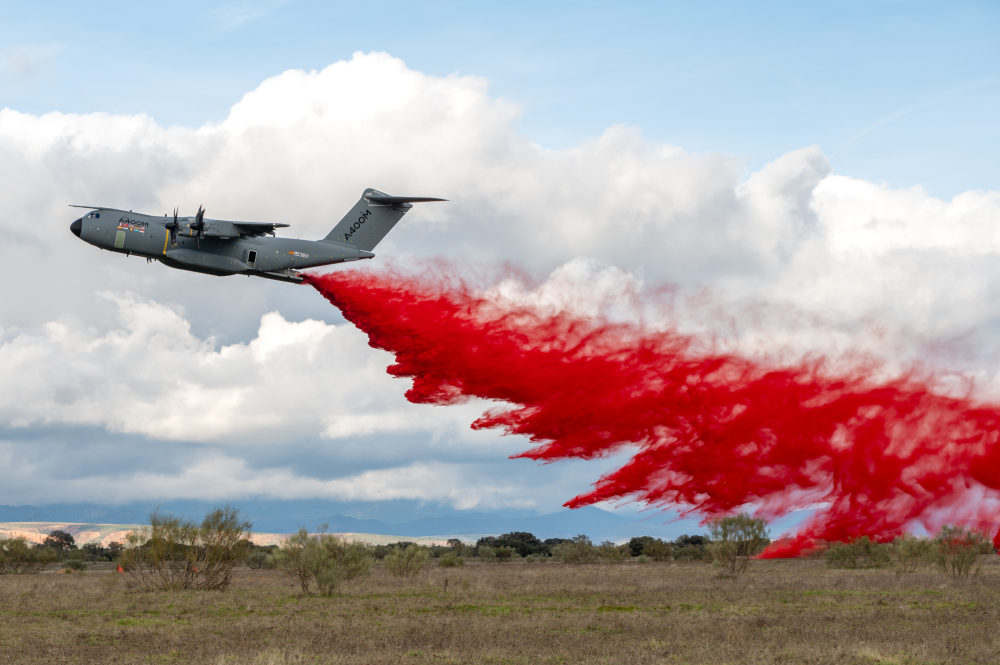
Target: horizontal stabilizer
391, 200
371, 218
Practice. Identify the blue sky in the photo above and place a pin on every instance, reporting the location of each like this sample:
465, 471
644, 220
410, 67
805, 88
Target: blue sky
905, 93
837, 159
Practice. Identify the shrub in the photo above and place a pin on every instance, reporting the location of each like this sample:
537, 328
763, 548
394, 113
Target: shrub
98, 552
175, 554
691, 553
459, 548
690, 548
958, 551
18, 557
637, 544
735, 540
451, 560
860, 553
380, 552
577, 550
322, 559
505, 553
261, 557
608, 552
522, 542
407, 562
690, 541
549, 544
909, 552
75, 564
492, 554
61, 541
657, 550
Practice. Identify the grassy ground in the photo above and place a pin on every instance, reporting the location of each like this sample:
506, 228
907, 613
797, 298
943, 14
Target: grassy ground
779, 612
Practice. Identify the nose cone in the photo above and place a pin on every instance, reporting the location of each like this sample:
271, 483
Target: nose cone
76, 226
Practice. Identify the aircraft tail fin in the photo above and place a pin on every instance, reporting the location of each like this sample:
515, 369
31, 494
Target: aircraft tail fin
372, 217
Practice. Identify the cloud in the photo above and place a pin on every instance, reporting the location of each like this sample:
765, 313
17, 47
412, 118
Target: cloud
236, 14
27, 61
252, 375
146, 373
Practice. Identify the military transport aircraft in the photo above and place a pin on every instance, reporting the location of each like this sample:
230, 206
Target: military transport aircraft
218, 247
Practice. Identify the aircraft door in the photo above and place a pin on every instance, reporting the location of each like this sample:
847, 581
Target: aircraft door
120, 240
251, 257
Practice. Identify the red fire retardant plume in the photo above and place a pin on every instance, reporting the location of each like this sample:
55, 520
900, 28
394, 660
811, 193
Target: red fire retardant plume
714, 433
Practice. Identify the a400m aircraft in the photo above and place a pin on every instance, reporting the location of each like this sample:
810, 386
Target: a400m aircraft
218, 247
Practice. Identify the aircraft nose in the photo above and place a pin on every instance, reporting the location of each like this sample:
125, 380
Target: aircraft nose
76, 226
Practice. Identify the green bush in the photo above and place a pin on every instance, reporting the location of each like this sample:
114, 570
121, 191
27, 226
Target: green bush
651, 548
608, 552
98, 552
735, 540
17, 556
323, 560
692, 553
959, 551
522, 542
637, 544
861, 553
75, 564
61, 541
657, 550
577, 550
174, 554
460, 548
261, 557
505, 553
451, 560
691, 548
493, 554
909, 552
407, 562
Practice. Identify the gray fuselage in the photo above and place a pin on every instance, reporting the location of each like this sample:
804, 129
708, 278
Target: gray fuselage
248, 254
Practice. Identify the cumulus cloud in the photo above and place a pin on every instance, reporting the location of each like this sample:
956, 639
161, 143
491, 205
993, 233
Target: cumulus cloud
98, 341
146, 373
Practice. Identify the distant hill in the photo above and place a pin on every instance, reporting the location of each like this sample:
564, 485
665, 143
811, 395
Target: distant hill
409, 519
105, 534
35, 532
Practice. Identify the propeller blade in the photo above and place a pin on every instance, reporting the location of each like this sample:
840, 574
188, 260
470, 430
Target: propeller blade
173, 228
199, 222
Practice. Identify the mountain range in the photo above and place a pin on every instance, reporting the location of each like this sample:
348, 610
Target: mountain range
397, 518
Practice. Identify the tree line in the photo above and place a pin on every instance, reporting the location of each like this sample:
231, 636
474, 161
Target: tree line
173, 553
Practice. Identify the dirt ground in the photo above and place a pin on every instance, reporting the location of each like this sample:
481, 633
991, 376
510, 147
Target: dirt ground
779, 612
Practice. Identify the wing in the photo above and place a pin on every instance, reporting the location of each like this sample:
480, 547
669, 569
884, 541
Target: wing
218, 228
254, 229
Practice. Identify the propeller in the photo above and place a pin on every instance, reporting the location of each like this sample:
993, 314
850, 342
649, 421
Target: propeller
198, 225
173, 229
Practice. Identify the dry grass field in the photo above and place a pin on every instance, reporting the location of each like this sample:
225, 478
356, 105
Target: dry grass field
779, 612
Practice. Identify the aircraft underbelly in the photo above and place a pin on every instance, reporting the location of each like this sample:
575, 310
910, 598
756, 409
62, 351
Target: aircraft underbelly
215, 264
